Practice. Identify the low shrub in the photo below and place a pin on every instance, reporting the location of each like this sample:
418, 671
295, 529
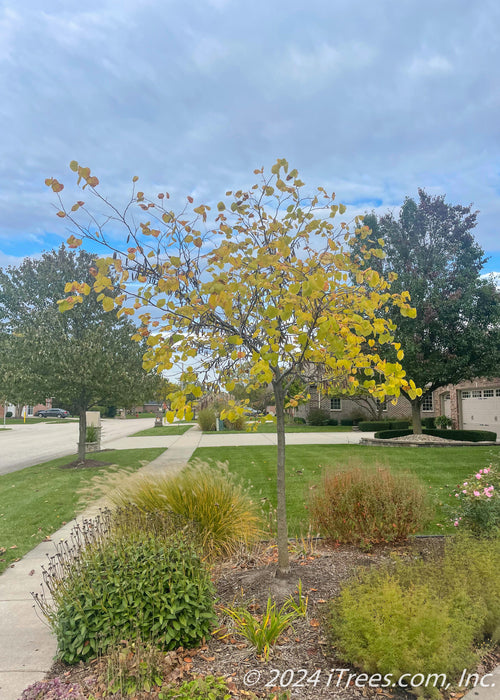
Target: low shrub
373, 425
347, 421
317, 416
400, 424
332, 421
8, 414
238, 423
208, 496
208, 688
388, 434
421, 617
123, 588
477, 506
387, 626
365, 506
297, 419
465, 435
92, 434
207, 419
429, 422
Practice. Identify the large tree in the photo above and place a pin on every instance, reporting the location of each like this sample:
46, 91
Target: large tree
455, 335
81, 359
263, 282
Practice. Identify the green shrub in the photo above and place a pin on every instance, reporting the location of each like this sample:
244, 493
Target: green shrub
373, 425
400, 424
208, 688
388, 434
365, 506
386, 626
465, 435
92, 434
208, 496
124, 588
477, 503
317, 416
297, 419
429, 422
346, 421
332, 421
238, 423
422, 617
207, 419
8, 414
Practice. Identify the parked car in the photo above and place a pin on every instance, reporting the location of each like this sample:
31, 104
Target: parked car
53, 413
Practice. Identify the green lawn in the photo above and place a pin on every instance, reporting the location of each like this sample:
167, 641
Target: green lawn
292, 428
163, 430
36, 501
439, 468
36, 421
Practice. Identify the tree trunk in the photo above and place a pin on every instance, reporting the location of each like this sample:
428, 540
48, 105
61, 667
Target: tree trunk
82, 435
282, 527
415, 416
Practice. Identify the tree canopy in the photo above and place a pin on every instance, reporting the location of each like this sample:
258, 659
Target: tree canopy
81, 359
262, 286
456, 333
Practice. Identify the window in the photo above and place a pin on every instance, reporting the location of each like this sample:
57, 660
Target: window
497, 392
488, 393
428, 403
336, 404
466, 394
382, 404
476, 393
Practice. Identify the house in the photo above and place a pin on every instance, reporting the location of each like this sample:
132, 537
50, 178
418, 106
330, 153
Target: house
472, 405
17, 411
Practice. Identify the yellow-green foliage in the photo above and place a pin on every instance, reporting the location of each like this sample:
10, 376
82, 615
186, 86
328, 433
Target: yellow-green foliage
209, 496
207, 419
421, 617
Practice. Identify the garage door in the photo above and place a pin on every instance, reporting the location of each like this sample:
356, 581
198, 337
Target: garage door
481, 409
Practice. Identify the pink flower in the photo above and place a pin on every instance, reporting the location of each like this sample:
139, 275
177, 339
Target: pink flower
457, 495
464, 491
455, 523
476, 493
478, 476
489, 494
465, 483
486, 471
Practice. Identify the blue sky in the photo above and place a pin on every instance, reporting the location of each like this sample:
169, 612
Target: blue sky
371, 100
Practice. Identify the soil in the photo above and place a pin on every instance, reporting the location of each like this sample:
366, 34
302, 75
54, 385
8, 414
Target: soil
87, 464
305, 649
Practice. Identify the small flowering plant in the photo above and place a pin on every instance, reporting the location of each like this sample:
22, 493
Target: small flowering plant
477, 506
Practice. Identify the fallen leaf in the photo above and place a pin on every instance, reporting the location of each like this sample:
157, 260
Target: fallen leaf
314, 623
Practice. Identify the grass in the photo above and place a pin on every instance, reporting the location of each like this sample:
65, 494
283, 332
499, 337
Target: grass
292, 428
36, 501
163, 430
439, 469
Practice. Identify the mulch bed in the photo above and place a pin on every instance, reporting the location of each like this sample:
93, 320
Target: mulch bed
299, 653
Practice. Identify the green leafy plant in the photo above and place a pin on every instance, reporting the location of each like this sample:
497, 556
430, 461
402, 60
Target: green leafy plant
107, 588
443, 422
264, 631
421, 617
208, 496
208, 688
477, 507
134, 667
366, 506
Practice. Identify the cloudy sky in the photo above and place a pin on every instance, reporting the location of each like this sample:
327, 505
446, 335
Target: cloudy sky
370, 99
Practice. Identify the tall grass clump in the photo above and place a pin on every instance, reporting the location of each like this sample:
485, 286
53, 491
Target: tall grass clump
111, 587
368, 505
209, 497
207, 419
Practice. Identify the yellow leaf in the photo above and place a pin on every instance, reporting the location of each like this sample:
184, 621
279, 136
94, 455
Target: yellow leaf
108, 303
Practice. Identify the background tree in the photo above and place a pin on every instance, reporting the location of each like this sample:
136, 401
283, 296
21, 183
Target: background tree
81, 359
455, 335
267, 283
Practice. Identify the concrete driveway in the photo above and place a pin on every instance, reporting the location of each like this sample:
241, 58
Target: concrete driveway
34, 442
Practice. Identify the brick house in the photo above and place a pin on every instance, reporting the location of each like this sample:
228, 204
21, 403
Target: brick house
472, 405
18, 410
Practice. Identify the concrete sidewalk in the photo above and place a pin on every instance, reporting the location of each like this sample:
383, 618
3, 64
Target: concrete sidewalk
27, 646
